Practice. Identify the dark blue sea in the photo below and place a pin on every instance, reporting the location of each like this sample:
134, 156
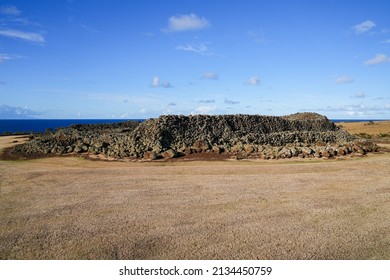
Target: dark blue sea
34, 125
39, 125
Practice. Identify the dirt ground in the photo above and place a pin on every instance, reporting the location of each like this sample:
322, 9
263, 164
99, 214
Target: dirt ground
73, 208
10, 141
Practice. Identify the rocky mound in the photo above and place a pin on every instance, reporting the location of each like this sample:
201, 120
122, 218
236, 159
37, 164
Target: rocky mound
301, 134
80, 138
179, 132
119, 127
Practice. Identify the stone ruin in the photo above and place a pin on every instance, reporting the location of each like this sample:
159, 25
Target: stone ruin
302, 135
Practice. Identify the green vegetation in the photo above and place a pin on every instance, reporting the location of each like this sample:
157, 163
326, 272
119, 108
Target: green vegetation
364, 135
384, 135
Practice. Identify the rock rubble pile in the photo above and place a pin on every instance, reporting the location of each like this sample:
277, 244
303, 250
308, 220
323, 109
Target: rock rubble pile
241, 136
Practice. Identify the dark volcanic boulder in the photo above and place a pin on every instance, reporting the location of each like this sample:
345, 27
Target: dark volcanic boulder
169, 154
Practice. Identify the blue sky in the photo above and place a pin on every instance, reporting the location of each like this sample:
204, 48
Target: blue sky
141, 59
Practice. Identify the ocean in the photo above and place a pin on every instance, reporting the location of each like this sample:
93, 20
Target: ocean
40, 125
35, 125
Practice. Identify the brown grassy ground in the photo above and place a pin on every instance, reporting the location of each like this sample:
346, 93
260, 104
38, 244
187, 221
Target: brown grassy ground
72, 208
363, 127
10, 141
378, 131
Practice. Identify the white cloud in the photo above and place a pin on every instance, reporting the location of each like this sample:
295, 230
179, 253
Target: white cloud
360, 94
210, 76
156, 82
378, 59
10, 23
9, 10
126, 115
231, 102
201, 48
253, 81
186, 22
364, 26
143, 110
257, 36
4, 57
344, 80
165, 84
203, 110
385, 41
13, 112
207, 101
356, 109
88, 28
27, 36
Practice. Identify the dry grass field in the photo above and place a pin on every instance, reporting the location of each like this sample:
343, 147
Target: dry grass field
72, 208
378, 130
